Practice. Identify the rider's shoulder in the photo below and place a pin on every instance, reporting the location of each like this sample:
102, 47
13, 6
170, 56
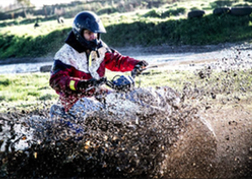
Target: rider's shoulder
105, 46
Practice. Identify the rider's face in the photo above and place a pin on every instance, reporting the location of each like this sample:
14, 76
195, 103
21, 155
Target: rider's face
89, 36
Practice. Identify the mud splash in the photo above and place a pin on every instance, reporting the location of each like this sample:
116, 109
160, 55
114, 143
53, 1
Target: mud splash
202, 137
105, 144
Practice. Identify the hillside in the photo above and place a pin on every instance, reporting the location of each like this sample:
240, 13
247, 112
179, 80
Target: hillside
134, 24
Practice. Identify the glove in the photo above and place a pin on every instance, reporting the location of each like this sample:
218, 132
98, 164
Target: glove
91, 83
140, 66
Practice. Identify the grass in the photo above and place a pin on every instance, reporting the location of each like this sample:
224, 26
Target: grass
21, 91
166, 24
25, 89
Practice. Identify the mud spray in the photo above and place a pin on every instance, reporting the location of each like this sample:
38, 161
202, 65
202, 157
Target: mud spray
203, 131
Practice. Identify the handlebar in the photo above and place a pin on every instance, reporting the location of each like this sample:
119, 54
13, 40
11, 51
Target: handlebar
125, 83
121, 83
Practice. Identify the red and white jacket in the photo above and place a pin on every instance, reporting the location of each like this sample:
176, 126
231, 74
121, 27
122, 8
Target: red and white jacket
72, 64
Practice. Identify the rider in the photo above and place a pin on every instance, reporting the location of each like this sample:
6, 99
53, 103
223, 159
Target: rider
79, 66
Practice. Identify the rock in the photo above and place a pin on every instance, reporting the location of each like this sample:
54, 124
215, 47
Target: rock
46, 68
241, 11
196, 13
221, 10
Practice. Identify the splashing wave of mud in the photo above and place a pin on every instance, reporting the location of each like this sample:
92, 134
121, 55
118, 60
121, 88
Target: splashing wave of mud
108, 145
199, 138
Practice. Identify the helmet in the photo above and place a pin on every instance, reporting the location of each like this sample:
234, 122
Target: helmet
90, 21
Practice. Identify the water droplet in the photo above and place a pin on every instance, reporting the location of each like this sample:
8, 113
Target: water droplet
35, 154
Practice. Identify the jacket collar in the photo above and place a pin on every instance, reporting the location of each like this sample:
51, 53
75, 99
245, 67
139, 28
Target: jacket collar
71, 40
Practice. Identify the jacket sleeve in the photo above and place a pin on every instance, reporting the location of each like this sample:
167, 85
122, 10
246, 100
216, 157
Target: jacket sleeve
114, 61
60, 77
63, 78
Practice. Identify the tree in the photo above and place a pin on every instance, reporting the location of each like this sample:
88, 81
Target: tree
24, 4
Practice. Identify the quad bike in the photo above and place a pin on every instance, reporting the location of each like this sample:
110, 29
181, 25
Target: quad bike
138, 132
193, 154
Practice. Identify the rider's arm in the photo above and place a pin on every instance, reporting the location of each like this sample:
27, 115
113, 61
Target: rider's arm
65, 78
114, 61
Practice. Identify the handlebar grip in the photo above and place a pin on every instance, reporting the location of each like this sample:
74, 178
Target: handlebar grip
109, 84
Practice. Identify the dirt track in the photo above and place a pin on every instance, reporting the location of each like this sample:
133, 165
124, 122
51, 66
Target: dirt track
231, 122
233, 128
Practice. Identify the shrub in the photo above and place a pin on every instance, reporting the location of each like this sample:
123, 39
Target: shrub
5, 82
153, 13
107, 10
173, 12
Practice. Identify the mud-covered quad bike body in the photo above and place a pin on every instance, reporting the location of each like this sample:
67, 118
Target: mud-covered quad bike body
125, 101
138, 132
193, 152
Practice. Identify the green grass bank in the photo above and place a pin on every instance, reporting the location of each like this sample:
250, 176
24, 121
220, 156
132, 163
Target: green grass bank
26, 91
167, 24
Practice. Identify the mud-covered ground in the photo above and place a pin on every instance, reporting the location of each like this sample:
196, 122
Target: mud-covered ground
135, 149
233, 128
230, 118
156, 145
